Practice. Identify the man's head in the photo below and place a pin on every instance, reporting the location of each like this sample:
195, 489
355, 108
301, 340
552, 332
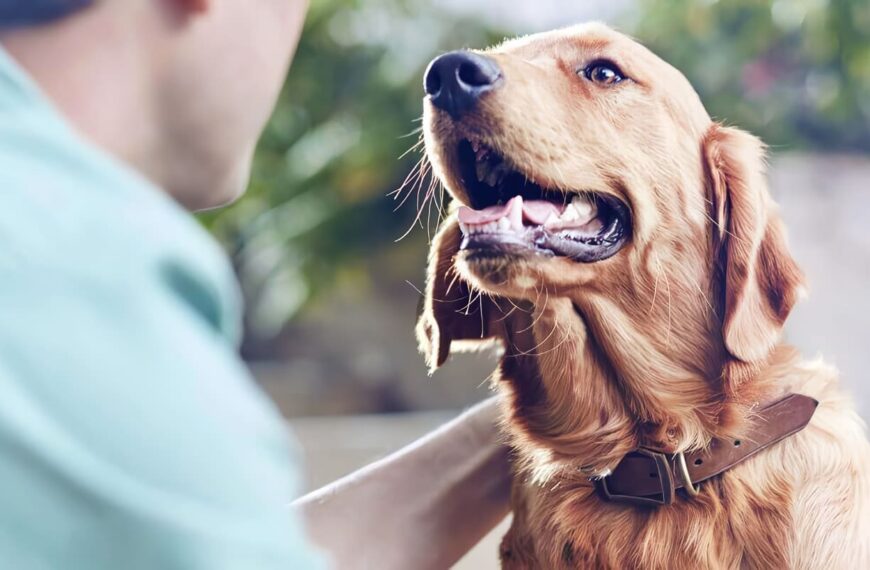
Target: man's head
181, 89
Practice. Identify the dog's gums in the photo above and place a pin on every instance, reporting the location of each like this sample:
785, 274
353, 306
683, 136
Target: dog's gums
511, 215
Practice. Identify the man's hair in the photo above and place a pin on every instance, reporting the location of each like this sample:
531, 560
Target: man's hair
28, 12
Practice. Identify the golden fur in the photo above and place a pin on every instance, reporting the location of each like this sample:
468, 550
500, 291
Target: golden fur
669, 343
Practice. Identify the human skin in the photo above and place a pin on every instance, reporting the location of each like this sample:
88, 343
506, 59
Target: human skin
423, 507
180, 90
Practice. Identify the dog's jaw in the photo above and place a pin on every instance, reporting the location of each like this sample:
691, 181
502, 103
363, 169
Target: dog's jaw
565, 411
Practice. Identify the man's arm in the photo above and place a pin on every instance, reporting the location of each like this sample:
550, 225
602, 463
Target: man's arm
422, 507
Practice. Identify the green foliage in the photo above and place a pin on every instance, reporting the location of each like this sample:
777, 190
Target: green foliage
795, 72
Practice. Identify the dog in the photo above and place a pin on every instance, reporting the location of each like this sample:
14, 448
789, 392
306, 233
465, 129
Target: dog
623, 251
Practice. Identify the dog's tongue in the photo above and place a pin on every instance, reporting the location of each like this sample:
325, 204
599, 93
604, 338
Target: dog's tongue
516, 210
491, 214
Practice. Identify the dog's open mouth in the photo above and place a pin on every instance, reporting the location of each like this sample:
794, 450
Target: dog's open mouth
510, 214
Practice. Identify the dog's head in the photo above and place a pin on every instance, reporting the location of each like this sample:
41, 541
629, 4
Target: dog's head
584, 168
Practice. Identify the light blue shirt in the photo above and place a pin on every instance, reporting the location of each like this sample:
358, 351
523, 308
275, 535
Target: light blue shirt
131, 435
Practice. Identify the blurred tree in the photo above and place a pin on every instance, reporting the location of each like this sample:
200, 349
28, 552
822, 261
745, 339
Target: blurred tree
795, 72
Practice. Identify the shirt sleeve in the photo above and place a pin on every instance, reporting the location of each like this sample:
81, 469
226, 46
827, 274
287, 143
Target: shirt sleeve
131, 435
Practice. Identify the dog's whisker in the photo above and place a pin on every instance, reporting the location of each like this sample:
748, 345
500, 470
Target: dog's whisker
414, 287
425, 170
482, 323
668, 287
533, 351
703, 295
453, 281
411, 180
655, 288
471, 300
418, 130
537, 304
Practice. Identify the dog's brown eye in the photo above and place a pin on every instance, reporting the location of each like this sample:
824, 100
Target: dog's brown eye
603, 73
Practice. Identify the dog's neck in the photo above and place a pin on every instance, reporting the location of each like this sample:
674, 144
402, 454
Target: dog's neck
573, 409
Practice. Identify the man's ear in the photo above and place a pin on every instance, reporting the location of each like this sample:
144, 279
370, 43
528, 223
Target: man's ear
448, 310
762, 280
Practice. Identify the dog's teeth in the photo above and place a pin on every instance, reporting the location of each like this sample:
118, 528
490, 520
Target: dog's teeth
475, 145
482, 153
504, 225
463, 228
515, 213
583, 207
552, 220
570, 214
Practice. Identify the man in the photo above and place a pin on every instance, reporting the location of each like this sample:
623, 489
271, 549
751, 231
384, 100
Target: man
130, 433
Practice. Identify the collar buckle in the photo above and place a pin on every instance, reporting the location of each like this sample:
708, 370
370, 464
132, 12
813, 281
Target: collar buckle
663, 472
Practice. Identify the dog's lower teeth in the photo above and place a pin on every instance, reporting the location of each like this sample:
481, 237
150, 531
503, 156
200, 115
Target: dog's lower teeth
499, 226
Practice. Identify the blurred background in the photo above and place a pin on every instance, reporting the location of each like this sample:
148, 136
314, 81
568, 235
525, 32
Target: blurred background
331, 288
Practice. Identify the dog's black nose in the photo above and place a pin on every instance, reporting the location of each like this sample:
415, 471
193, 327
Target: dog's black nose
456, 80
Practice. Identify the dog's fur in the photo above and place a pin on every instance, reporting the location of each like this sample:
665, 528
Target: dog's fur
671, 342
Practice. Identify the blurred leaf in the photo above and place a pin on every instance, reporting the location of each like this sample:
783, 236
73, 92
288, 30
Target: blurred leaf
795, 72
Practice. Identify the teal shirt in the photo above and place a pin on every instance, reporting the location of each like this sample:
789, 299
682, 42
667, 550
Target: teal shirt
131, 435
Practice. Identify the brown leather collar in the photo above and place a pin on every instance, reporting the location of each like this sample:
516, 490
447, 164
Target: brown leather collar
651, 477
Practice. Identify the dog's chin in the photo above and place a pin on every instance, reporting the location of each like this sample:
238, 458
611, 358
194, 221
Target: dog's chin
503, 271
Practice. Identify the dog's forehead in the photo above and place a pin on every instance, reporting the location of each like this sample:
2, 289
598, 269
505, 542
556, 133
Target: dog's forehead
590, 41
592, 37
583, 43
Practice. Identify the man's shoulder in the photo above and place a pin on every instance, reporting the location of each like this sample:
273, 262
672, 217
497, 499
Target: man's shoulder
70, 192
72, 214
118, 366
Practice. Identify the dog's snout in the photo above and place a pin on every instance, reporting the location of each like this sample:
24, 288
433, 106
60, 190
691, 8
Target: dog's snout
456, 80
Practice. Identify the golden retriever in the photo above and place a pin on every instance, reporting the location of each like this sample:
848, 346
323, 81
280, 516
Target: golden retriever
623, 250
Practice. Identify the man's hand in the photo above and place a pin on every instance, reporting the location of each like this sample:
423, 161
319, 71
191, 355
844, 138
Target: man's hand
422, 507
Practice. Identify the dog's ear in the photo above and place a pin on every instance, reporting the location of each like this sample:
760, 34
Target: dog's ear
448, 313
762, 280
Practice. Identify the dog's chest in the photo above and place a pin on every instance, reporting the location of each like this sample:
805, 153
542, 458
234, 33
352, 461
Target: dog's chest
565, 526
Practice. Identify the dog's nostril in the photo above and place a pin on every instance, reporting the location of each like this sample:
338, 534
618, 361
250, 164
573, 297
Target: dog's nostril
433, 84
473, 75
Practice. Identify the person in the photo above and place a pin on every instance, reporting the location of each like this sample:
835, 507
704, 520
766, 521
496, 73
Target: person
131, 435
